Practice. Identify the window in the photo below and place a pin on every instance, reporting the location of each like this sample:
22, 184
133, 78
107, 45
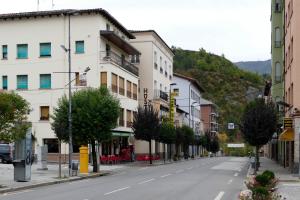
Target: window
4, 82
52, 145
107, 27
22, 51
103, 79
121, 86
277, 5
277, 37
22, 82
44, 113
121, 117
4, 52
77, 79
45, 49
134, 91
277, 72
45, 81
79, 47
114, 83
160, 62
129, 118
155, 59
128, 89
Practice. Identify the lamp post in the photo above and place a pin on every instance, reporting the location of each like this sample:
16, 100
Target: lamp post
192, 107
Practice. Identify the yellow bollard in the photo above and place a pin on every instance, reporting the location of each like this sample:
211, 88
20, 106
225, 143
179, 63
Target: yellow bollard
84, 160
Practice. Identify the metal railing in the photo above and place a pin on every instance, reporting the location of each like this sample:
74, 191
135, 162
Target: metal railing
110, 56
161, 95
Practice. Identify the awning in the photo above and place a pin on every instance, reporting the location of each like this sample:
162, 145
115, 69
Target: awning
119, 42
121, 134
287, 135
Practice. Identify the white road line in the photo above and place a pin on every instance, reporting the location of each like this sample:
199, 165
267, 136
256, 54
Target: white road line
143, 168
117, 190
163, 176
146, 181
220, 195
179, 171
236, 174
14, 193
230, 181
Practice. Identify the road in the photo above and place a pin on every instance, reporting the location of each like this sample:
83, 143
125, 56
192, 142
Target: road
219, 178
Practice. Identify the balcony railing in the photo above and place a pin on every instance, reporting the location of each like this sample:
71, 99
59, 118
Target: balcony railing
110, 56
121, 91
114, 88
161, 95
134, 96
129, 94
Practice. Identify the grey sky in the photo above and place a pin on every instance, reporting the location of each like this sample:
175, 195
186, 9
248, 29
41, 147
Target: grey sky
238, 28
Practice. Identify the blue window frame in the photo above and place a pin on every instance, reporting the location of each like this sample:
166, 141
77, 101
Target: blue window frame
4, 82
79, 47
45, 49
22, 82
22, 51
45, 81
4, 51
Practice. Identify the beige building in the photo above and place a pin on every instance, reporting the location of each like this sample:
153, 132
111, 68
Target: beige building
156, 74
292, 80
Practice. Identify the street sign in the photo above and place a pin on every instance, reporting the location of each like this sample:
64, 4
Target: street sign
288, 122
241, 145
230, 126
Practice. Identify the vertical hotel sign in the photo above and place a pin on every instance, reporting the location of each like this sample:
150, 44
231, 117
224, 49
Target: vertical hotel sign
172, 105
145, 97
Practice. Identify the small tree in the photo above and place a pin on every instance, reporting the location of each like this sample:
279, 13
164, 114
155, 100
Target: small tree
258, 124
146, 126
94, 114
167, 134
13, 117
188, 138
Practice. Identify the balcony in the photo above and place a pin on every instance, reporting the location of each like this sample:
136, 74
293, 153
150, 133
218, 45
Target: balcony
110, 56
277, 44
161, 95
166, 74
155, 66
161, 70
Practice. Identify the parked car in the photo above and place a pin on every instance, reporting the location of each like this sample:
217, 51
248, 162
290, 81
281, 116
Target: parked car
6, 153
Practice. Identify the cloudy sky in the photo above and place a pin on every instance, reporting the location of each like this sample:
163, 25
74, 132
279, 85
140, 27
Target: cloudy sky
240, 29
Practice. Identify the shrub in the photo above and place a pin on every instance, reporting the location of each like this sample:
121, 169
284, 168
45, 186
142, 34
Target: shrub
260, 193
269, 174
263, 180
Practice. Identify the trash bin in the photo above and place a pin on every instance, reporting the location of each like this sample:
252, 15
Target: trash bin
20, 172
74, 167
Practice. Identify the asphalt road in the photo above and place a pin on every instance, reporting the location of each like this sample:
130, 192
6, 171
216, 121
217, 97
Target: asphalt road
218, 178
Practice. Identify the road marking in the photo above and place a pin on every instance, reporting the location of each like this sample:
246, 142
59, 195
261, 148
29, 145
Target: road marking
220, 195
163, 176
143, 168
230, 181
236, 174
179, 171
146, 181
14, 193
117, 190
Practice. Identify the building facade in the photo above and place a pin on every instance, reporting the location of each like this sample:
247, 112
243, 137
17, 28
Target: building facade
35, 66
209, 115
292, 81
156, 76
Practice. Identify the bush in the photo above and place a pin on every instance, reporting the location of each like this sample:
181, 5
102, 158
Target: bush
269, 174
260, 193
263, 180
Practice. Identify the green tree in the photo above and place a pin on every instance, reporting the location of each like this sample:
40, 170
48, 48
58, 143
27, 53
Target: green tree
258, 124
94, 114
167, 135
13, 116
188, 138
146, 125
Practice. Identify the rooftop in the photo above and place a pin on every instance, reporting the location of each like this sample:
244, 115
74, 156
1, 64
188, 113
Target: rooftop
67, 12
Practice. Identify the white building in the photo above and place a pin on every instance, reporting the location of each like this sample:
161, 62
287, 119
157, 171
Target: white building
156, 75
31, 54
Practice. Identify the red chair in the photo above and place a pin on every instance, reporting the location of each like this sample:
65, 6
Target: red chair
103, 159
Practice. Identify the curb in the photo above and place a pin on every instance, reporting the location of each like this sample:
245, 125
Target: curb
13, 189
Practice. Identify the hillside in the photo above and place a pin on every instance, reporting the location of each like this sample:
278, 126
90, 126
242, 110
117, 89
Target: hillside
260, 67
225, 84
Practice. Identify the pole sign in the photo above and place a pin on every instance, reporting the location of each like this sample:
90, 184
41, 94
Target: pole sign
231, 126
288, 122
145, 97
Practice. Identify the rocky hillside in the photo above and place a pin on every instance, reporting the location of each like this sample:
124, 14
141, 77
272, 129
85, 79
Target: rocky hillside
260, 67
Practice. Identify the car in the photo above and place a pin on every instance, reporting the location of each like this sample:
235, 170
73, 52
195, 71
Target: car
6, 153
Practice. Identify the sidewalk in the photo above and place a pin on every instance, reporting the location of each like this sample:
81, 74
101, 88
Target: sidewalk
46, 177
289, 184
